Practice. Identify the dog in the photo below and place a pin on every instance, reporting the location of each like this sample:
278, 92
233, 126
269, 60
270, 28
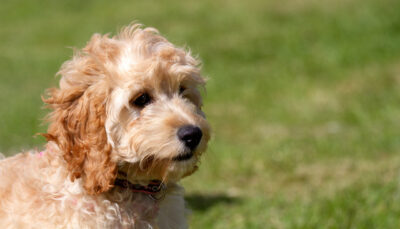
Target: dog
125, 125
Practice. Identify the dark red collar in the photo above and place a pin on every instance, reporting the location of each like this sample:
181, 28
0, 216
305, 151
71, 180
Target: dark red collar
152, 188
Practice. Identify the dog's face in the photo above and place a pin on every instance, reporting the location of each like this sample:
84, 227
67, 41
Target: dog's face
154, 119
132, 105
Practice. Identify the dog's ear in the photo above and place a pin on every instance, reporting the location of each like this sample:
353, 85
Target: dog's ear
77, 122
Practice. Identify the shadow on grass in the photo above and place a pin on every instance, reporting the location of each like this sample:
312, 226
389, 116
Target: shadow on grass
202, 202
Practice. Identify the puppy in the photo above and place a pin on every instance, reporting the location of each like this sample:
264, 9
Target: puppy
125, 126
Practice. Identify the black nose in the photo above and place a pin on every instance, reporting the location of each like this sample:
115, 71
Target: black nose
190, 135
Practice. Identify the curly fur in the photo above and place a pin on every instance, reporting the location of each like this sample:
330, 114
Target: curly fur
95, 132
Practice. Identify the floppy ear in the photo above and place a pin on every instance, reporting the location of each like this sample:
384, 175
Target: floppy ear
78, 118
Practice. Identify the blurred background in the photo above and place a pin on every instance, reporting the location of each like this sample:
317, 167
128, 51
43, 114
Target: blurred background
303, 97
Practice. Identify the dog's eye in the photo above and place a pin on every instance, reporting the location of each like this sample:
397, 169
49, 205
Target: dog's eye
142, 100
181, 89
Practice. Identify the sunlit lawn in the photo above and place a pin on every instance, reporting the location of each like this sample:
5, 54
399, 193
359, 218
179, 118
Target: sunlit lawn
303, 97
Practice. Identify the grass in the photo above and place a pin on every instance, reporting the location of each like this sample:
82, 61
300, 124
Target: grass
303, 97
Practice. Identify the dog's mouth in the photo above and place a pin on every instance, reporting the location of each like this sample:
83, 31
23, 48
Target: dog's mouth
183, 156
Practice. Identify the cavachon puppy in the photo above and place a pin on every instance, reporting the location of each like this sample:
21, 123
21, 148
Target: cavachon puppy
125, 126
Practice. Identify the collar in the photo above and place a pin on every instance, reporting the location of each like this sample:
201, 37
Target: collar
155, 188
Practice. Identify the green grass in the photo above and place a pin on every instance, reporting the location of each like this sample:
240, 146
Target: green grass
303, 97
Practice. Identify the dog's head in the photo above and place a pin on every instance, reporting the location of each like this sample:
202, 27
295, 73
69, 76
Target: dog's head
129, 104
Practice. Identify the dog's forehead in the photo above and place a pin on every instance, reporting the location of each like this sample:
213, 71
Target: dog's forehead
151, 78
156, 71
